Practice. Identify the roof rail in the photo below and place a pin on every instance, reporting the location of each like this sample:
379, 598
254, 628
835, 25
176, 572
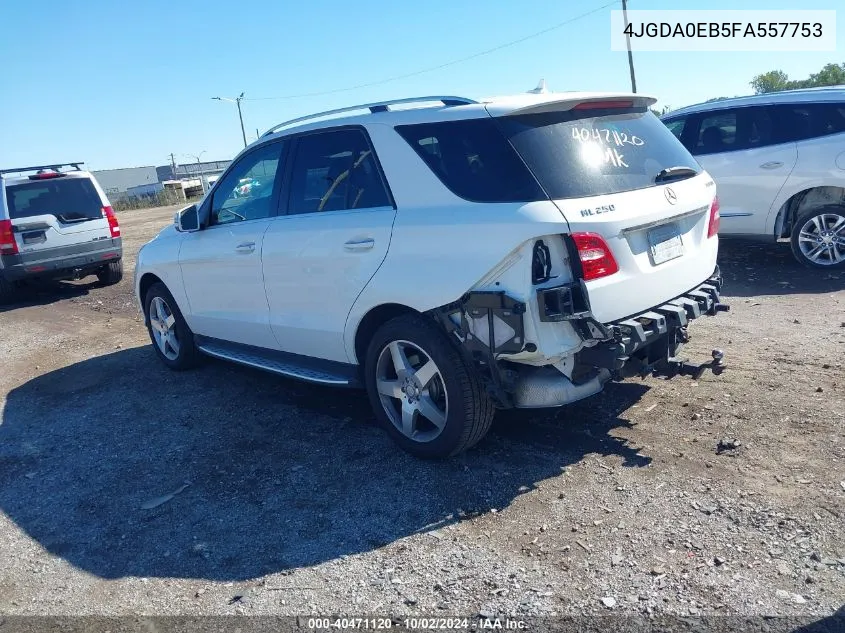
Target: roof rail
56, 166
379, 106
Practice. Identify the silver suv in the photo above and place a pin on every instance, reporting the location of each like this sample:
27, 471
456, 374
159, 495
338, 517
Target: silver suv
55, 224
779, 162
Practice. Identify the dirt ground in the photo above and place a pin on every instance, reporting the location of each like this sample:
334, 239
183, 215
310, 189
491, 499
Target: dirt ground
290, 500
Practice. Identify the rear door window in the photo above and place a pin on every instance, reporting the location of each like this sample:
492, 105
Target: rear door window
749, 127
473, 160
798, 122
760, 127
68, 199
595, 152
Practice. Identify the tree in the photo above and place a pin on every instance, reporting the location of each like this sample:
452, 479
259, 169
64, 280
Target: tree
830, 75
776, 80
772, 81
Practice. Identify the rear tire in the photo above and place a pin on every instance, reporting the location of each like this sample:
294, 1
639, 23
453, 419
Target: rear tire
111, 273
423, 392
172, 339
818, 238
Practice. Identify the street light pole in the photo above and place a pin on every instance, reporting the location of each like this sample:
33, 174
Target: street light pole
628, 42
237, 100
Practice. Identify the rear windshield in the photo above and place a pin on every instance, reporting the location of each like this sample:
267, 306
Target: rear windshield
68, 199
607, 151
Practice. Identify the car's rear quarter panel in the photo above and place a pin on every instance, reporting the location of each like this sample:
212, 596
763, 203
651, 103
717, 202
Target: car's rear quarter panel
441, 245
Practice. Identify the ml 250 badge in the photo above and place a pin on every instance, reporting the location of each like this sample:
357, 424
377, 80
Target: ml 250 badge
585, 213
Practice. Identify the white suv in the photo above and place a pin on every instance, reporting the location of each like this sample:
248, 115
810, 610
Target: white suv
779, 162
451, 258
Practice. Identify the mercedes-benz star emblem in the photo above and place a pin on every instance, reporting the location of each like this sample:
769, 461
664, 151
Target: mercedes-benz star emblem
671, 196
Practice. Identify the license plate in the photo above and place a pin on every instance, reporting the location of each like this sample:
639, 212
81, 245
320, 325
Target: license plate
665, 243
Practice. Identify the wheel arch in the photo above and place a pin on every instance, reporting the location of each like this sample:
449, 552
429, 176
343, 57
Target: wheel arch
147, 280
145, 283
372, 321
808, 198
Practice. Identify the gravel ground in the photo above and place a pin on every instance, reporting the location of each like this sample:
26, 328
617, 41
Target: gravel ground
719, 496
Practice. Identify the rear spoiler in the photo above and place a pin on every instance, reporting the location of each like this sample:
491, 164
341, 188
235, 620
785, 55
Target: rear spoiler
563, 102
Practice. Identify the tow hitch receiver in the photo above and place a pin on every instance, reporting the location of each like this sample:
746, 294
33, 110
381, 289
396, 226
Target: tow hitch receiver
673, 366
682, 367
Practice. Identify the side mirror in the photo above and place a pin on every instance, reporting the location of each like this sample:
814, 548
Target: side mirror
187, 220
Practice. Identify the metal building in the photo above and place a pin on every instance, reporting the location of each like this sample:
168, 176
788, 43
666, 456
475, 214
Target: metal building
116, 182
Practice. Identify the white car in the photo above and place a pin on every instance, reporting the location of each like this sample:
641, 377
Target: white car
779, 162
451, 256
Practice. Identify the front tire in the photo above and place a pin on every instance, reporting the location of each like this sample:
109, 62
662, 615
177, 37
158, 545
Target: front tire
818, 237
111, 273
422, 391
172, 339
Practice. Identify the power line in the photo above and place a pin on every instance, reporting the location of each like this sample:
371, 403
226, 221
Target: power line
444, 65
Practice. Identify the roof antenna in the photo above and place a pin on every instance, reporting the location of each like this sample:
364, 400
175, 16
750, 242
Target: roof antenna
540, 89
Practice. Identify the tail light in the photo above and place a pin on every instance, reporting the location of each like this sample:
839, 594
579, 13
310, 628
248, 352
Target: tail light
715, 218
603, 105
47, 175
8, 245
114, 227
596, 258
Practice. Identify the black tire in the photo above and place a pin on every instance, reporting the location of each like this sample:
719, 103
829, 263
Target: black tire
111, 273
7, 291
830, 213
188, 356
469, 413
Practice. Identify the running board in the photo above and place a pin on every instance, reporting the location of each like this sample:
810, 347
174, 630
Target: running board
288, 365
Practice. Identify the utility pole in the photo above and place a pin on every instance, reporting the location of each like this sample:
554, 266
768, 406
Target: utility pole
199, 168
241, 117
173, 163
237, 100
628, 42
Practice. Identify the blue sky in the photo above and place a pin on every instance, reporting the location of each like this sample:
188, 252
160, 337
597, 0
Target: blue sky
124, 84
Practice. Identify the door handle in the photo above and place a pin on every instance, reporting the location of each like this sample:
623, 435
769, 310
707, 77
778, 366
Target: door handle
360, 245
245, 247
772, 164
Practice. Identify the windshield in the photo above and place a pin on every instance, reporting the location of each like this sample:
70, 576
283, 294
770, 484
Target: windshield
606, 151
68, 199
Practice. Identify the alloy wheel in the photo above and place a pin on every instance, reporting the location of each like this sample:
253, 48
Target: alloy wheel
163, 325
412, 391
822, 239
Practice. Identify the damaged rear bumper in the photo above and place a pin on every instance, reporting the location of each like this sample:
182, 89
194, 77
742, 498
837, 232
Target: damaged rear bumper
489, 326
644, 344
648, 343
